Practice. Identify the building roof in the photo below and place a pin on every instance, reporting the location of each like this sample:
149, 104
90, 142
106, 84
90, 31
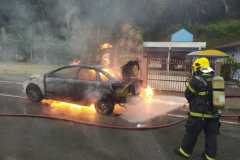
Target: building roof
182, 35
230, 45
198, 45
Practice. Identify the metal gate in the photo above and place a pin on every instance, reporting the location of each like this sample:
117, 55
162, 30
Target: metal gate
167, 77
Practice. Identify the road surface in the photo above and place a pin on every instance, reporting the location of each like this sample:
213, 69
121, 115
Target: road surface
37, 139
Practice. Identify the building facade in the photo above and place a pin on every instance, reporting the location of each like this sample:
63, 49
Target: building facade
166, 64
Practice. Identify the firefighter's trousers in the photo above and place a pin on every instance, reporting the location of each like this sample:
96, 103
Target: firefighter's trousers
194, 126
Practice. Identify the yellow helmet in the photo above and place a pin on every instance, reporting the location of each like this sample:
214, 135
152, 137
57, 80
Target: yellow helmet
201, 64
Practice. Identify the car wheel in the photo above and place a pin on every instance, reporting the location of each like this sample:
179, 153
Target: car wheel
34, 93
105, 106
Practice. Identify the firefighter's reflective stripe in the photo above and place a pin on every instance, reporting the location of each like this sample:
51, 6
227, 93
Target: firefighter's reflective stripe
183, 152
190, 88
202, 93
209, 158
193, 91
201, 115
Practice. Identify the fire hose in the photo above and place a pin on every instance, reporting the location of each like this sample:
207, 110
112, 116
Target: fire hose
222, 116
136, 127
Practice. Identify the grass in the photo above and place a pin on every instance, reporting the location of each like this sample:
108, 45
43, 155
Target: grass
25, 69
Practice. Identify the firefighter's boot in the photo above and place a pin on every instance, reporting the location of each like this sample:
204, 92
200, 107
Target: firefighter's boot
180, 152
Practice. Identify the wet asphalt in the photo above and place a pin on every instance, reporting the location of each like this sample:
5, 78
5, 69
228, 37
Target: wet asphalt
37, 139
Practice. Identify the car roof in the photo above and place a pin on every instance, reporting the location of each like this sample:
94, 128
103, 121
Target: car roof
94, 66
99, 67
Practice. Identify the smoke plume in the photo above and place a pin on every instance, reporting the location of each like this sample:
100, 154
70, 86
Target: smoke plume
139, 111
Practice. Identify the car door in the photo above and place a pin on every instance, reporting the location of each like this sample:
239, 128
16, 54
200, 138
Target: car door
58, 83
85, 86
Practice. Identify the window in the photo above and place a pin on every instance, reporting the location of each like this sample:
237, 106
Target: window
87, 74
68, 73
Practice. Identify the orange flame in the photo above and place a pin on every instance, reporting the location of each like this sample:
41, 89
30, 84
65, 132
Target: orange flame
72, 108
106, 46
69, 106
147, 94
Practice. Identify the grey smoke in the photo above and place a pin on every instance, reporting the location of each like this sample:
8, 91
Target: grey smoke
138, 111
35, 36
59, 30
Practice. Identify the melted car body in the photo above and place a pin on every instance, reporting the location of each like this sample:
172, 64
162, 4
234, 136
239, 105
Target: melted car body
84, 84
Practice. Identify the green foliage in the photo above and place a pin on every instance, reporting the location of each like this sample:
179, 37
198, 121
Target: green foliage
218, 33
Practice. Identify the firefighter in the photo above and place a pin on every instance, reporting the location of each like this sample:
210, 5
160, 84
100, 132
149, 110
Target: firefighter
202, 115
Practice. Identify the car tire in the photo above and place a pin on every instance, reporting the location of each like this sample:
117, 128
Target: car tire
34, 93
104, 106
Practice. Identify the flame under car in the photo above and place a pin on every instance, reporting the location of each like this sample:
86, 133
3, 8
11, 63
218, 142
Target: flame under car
82, 84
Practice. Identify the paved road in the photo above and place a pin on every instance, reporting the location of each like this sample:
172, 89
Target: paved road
38, 139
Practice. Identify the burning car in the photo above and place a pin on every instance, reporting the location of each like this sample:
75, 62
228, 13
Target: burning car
83, 84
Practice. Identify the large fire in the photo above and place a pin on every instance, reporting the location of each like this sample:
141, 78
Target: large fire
69, 106
146, 93
75, 108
